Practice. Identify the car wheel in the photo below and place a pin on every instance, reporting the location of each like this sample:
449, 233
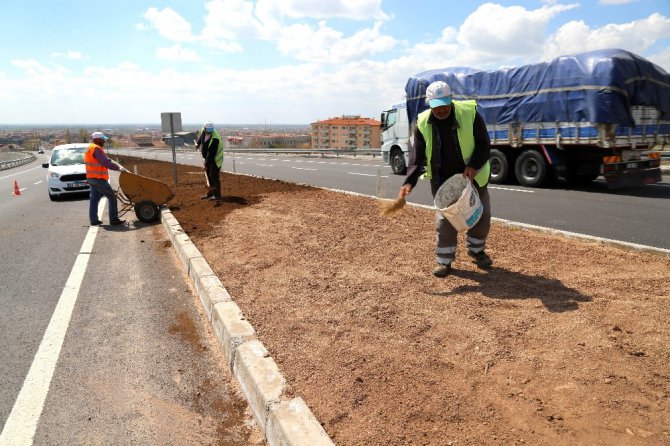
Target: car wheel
147, 211
531, 169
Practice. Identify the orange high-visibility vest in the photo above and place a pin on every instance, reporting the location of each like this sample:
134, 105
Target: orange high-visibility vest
93, 167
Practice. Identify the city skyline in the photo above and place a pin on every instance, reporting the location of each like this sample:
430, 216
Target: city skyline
283, 61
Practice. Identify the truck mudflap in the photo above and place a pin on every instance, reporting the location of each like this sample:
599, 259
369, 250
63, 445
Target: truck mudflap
633, 178
632, 173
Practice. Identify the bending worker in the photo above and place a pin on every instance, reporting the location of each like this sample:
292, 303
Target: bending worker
97, 175
450, 138
210, 144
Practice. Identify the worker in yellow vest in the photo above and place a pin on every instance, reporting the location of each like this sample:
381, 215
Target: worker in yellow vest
451, 138
97, 176
210, 144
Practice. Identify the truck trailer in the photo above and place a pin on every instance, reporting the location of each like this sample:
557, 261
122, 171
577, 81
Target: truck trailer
573, 118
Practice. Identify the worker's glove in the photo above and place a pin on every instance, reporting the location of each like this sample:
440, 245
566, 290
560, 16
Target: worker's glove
123, 169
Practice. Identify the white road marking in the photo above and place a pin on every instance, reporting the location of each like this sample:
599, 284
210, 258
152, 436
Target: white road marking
266, 165
302, 168
37, 182
17, 173
512, 189
22, 422
367, 174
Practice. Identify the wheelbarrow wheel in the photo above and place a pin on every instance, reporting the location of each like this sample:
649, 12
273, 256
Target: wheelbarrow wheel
147, 211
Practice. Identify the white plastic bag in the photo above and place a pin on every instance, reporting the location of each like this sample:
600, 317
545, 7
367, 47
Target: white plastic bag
466, 211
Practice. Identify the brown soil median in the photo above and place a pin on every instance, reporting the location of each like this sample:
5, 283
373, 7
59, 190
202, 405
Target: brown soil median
563, 342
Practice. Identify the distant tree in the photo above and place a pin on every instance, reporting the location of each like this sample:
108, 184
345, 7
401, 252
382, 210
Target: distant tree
68, 136
83, 135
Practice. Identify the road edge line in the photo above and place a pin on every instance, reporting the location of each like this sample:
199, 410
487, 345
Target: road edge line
21, 424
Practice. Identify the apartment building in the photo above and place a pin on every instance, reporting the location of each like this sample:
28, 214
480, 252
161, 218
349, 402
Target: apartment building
346, 132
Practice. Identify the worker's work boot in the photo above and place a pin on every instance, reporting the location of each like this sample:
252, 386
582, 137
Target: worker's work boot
205, 197
442, 270
481, 259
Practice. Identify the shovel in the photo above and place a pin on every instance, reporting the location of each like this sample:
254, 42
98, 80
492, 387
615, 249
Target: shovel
206, 177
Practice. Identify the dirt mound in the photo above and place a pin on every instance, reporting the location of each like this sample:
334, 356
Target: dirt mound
563, 342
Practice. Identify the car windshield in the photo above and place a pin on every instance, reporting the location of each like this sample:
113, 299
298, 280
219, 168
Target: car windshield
68, 157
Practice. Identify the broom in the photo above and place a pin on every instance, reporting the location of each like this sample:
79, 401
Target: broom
392, 207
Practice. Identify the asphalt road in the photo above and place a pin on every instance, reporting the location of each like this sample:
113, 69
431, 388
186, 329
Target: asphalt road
135, 363
640, 216
103, 340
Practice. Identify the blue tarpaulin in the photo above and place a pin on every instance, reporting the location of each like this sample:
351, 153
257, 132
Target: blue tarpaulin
597, 87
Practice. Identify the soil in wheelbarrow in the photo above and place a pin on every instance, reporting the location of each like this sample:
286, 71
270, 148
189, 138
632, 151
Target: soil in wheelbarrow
563, 342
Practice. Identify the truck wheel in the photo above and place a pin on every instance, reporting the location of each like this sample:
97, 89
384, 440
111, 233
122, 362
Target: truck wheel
531, 169
499, 167
398, 162
147, 211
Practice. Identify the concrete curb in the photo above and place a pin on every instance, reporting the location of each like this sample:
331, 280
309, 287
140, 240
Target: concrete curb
284, 421
616, 243
589, 238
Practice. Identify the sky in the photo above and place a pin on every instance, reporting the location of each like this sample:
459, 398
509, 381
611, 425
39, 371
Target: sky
282, 61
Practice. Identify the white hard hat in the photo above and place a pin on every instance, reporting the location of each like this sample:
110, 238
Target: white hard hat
438, 94
209, 125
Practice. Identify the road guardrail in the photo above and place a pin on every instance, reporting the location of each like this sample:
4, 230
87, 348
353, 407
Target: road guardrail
288, 150
22, 158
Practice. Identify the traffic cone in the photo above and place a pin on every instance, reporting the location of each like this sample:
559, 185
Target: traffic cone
16, 188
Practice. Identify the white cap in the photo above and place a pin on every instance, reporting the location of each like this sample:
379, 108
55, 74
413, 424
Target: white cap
98, 135
438, 94
209, 125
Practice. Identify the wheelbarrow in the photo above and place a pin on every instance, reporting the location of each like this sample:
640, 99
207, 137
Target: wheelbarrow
142, 194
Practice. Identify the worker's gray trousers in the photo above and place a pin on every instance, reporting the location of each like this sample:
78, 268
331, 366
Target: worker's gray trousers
447, 237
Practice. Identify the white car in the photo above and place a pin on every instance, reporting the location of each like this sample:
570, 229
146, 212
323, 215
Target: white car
67, 171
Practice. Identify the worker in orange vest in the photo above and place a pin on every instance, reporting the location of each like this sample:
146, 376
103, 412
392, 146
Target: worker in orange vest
97, 166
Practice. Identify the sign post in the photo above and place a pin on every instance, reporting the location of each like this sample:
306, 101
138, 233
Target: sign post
171, 123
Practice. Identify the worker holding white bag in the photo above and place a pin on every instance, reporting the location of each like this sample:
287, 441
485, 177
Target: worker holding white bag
451, 138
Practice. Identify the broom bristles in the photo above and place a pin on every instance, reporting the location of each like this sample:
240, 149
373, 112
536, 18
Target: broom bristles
393, 207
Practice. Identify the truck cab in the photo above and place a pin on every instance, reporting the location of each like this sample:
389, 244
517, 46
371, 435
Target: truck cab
395, 138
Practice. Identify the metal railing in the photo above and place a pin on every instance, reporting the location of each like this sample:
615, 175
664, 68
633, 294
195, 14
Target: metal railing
19, 160
285, 151
308, 152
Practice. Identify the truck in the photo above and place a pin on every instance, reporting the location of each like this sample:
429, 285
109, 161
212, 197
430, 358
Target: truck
573, 118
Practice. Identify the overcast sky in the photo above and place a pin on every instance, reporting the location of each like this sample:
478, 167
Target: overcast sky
282, 61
